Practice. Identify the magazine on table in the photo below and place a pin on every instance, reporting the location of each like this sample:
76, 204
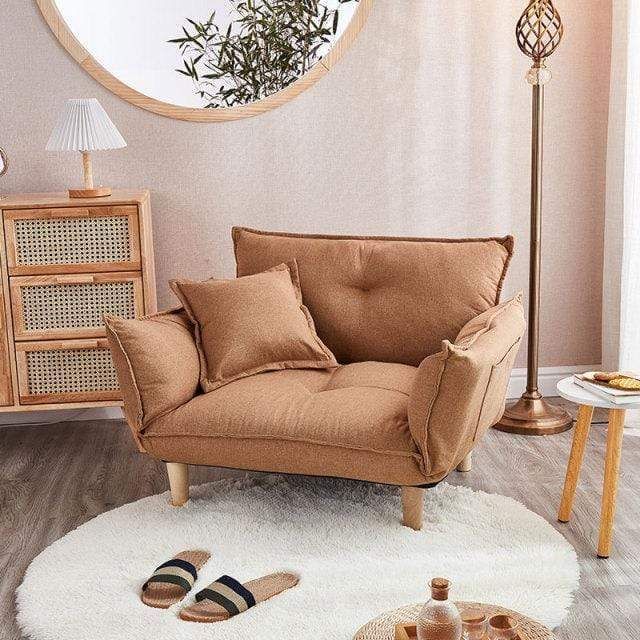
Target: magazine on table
617, 396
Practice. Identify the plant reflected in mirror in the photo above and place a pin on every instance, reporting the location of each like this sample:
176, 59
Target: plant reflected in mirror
260, 49
207, 60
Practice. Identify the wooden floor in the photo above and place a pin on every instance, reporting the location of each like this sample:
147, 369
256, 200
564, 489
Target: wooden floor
53, 478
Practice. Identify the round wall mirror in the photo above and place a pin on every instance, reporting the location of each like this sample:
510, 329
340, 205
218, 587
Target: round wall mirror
206, 60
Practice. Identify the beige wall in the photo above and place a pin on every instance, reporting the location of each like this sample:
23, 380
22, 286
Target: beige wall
422, 129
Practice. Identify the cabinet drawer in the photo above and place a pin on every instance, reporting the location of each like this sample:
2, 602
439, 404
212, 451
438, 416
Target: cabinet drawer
71, 306
72, 240
66, 371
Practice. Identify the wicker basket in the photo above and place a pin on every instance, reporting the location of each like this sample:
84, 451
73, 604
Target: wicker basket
402, 621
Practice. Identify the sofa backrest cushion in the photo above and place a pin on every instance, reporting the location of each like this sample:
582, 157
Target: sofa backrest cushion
384, 299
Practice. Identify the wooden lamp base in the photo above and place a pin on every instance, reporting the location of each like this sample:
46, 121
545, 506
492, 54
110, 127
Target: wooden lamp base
97, 192
89, 190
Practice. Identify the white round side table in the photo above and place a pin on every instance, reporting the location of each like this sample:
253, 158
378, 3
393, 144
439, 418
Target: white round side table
586, 402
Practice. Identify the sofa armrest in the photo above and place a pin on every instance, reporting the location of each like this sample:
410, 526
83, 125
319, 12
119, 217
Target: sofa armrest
460, 392
157, 364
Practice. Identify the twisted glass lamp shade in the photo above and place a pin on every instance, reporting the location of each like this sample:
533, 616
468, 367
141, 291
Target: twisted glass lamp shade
539, 30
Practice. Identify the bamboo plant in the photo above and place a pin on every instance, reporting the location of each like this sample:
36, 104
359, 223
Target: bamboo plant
267, 45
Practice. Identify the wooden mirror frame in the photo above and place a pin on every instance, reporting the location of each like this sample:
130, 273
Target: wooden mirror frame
68, 40
4, 162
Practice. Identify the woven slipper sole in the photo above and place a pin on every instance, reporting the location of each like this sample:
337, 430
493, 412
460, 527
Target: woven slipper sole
261, 588
161, 595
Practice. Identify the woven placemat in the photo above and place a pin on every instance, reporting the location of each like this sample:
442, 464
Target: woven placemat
383, 627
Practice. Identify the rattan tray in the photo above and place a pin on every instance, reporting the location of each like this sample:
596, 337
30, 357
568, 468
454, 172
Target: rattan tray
383, 627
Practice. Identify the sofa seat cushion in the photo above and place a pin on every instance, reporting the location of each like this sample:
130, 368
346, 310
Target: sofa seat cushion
347, 422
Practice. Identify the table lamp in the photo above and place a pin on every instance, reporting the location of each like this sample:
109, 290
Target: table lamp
85, 126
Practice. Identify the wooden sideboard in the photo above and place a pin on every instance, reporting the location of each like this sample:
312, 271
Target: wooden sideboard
65, 262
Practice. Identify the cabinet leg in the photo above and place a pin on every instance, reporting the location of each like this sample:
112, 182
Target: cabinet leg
611, 472
580, 435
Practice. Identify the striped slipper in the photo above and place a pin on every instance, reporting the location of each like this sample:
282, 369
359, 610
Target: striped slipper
172, 580
226, 597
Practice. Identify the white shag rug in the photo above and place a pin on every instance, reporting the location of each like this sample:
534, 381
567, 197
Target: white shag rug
343, 538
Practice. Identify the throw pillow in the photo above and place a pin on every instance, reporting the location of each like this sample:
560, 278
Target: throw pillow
252, 324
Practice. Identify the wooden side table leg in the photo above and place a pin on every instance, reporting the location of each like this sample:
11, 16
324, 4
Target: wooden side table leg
611, 471
581, 433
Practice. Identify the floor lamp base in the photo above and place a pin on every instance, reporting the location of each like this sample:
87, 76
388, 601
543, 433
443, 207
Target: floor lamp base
534, 417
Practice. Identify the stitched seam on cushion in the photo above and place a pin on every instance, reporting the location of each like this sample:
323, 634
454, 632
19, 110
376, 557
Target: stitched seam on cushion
506, 241
430, 411
333, 371
365, 386
175, 287
140, 417
403, 454
167, 312
158, 319
506, 353
509, 245
294, 274
235, 233
482, 331
218, 383
484, 397
307, 316
487, 326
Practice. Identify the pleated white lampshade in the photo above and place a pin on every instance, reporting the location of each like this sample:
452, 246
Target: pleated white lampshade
85, 126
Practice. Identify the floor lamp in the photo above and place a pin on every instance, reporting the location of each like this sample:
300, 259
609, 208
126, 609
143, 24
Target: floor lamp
539, 33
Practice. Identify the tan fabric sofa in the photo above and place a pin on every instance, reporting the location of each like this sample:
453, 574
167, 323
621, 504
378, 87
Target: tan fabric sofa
425, 350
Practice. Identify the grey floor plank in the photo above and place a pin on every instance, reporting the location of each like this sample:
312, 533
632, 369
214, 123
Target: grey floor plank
54, 478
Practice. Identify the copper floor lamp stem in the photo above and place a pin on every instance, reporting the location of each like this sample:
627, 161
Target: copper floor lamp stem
537, 140
532, 415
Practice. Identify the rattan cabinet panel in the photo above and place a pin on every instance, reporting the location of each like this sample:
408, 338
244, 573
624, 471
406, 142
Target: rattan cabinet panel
72, 240
64, 262
72, 306
66, 371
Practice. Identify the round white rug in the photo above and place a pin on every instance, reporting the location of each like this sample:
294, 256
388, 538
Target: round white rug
344, 539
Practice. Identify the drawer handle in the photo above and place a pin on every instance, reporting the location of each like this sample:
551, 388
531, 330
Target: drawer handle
91, 344
61, 213
88, 279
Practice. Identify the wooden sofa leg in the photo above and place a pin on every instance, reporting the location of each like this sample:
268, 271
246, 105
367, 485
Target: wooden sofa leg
412, 504
178, 482
465, 465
